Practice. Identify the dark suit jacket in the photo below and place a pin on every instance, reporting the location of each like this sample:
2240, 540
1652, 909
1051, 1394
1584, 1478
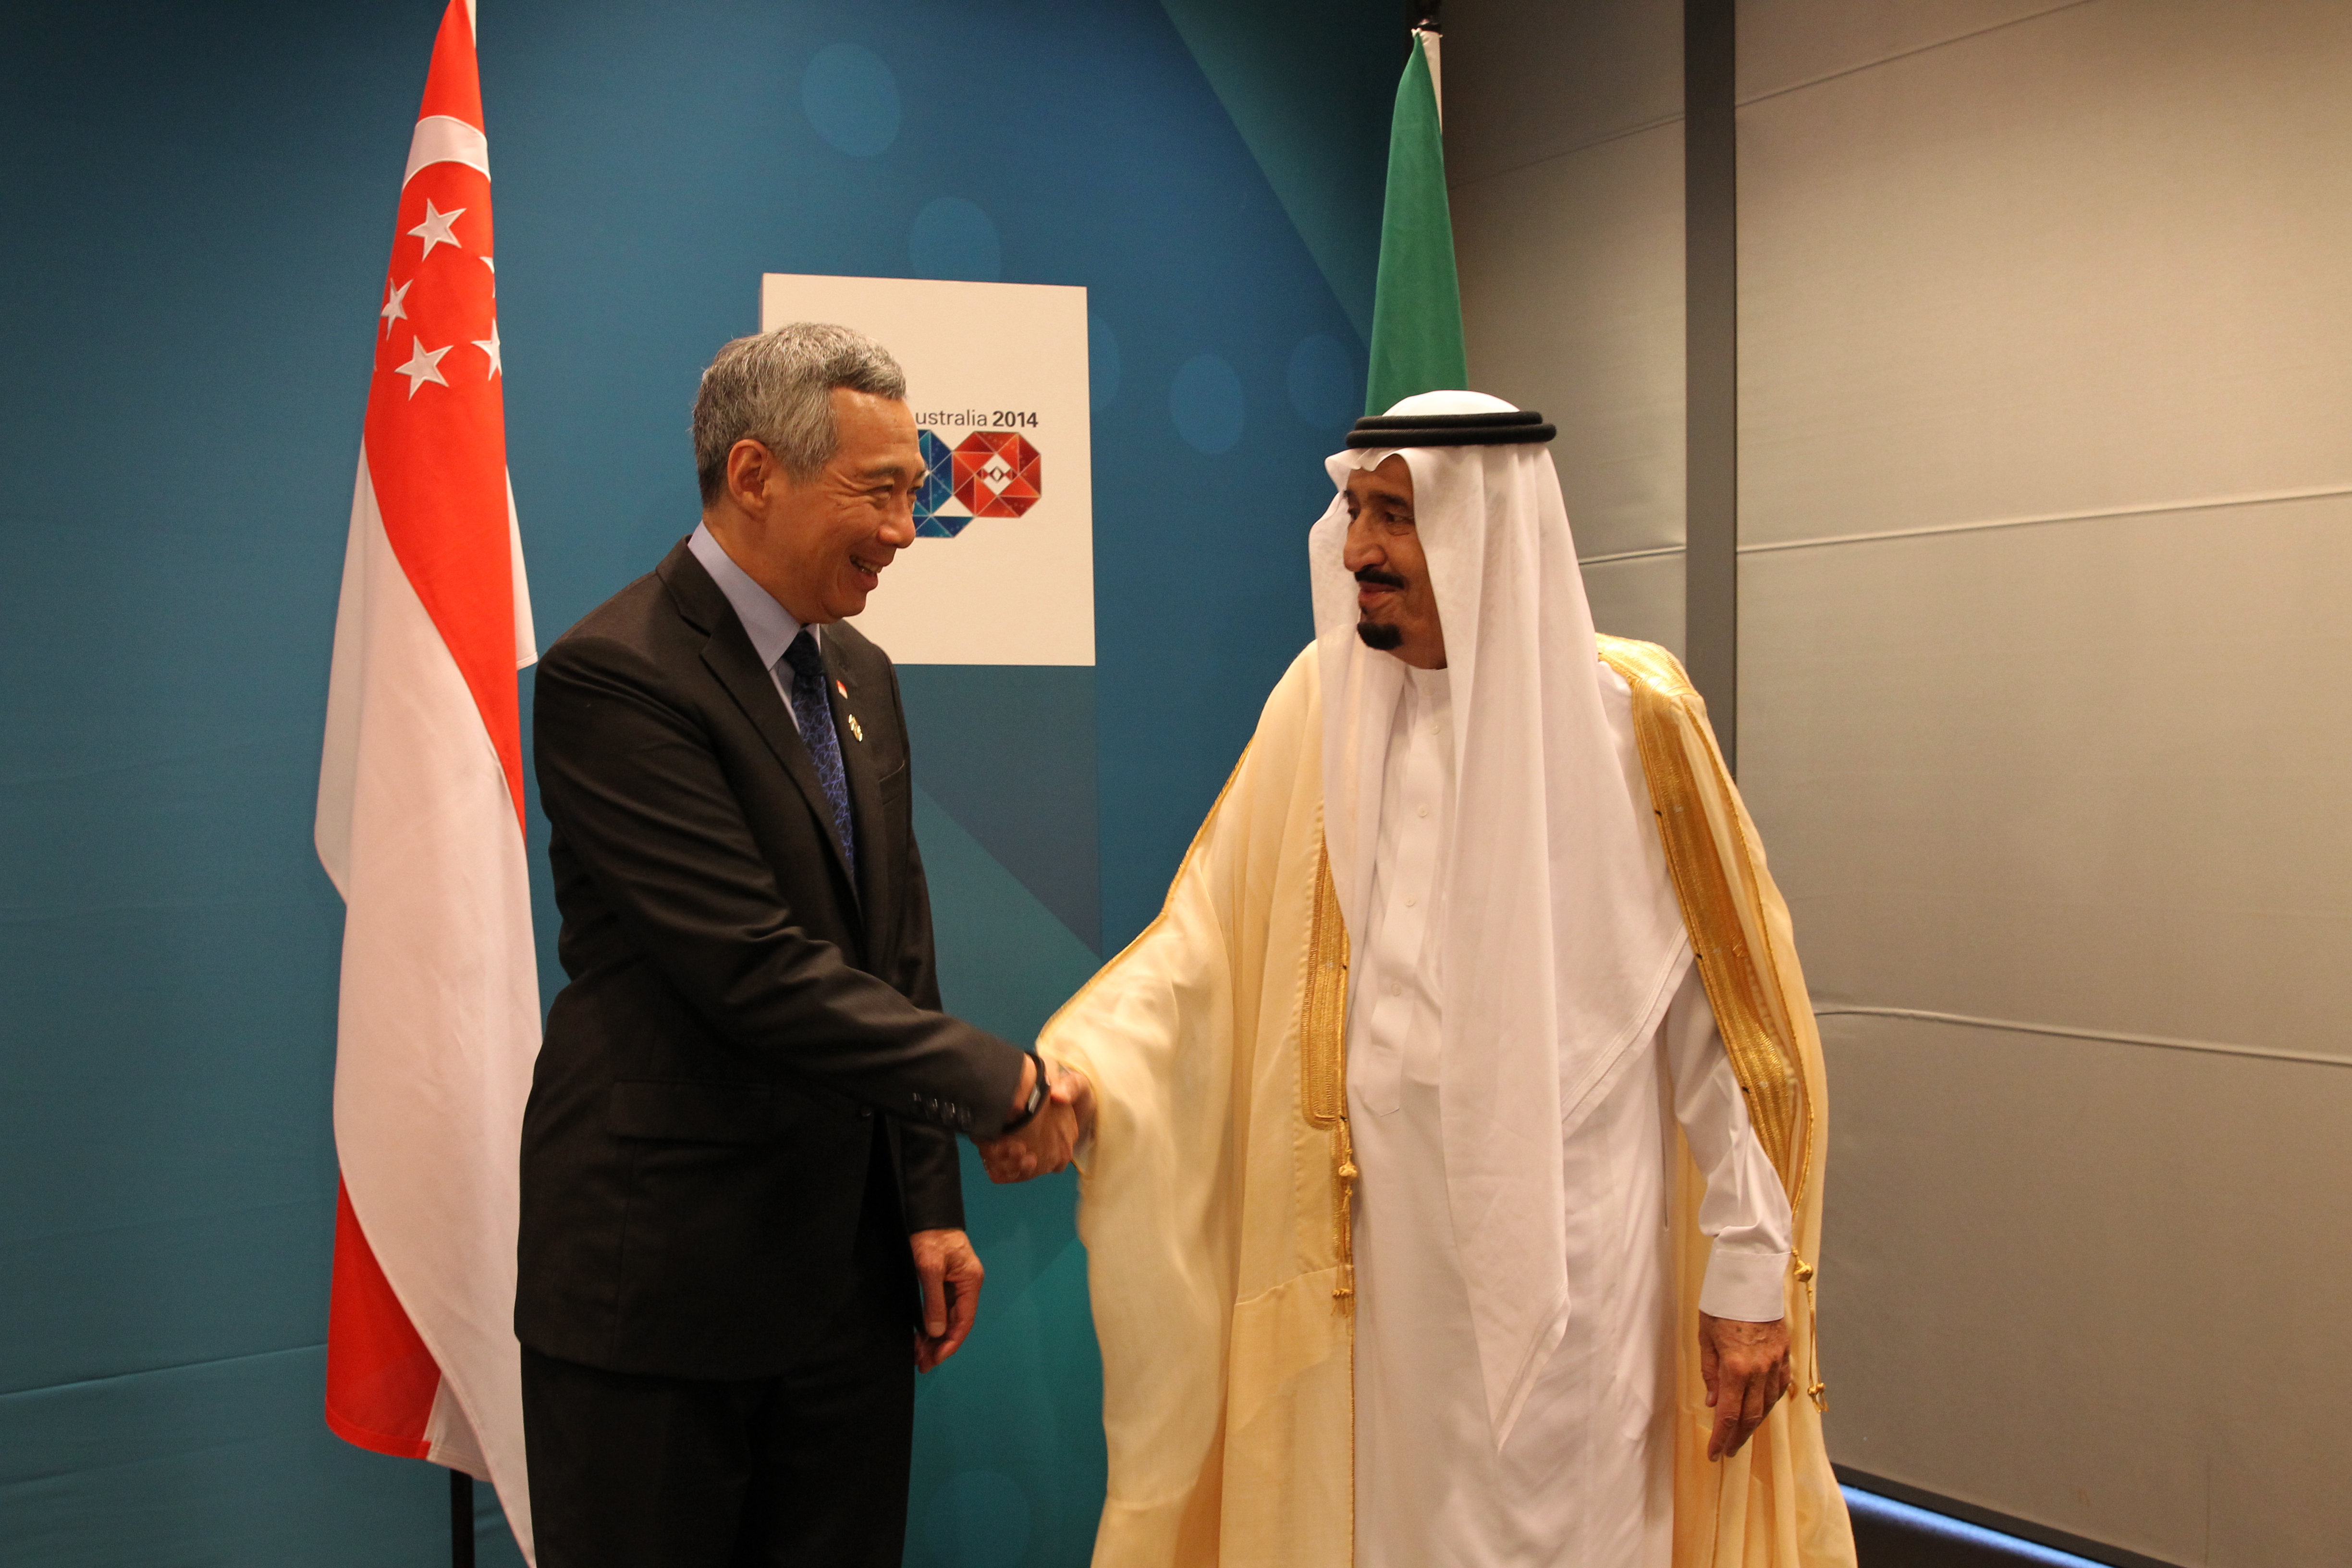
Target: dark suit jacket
700, 1125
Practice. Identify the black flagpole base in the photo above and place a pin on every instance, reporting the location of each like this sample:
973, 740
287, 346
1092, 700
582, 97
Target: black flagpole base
461, 1519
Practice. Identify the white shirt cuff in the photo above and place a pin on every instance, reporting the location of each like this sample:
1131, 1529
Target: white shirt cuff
1747, 1287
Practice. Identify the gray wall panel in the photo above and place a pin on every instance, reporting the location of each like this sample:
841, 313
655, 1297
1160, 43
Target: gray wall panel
1529, 79
1572, 303
2088, 774
2096, 1286
2006, 261
1639, 598
2099, 260
2082, 774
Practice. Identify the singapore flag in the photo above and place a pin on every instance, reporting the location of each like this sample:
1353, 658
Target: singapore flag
420, 825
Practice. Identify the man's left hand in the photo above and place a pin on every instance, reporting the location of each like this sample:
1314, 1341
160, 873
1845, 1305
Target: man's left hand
951, 1274
1746, 1369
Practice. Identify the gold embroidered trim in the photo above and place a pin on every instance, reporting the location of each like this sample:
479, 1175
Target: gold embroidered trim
1765, 1064
1742, 985
1323, 1101
1323, 1061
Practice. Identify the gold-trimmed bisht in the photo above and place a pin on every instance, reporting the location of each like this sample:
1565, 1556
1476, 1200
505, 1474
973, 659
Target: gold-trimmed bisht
1726, 925
1323, 1063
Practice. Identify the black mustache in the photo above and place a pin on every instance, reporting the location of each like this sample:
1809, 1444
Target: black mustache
1373, 574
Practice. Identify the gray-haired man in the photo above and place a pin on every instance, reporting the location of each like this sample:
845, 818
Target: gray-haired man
742, 1230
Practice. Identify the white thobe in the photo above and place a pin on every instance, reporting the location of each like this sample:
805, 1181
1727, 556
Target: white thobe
1585, 1478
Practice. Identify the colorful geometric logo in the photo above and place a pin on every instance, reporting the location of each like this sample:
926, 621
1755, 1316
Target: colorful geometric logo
936, 514
991, 473
996, 474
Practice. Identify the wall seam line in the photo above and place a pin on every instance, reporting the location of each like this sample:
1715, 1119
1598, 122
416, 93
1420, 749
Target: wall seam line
1711, 509
2168, 509
1652, 553
1467, 180
1907, 53
2068, 1032
9, 1393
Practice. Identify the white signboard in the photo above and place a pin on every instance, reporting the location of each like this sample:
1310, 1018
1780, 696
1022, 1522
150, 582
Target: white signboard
1002, 567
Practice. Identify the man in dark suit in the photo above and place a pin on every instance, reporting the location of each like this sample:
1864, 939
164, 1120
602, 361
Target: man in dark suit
740, 1171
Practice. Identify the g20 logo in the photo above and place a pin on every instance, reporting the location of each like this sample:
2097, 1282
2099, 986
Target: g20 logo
989, 473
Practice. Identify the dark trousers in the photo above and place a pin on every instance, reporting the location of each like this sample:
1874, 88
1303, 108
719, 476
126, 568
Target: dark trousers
808, 1467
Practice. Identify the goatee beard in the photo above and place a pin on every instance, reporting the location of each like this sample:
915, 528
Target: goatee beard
1379, 634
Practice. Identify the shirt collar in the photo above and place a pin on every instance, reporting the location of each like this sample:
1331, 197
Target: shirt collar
771, 625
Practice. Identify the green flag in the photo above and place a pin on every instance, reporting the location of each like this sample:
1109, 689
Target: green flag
1417, 303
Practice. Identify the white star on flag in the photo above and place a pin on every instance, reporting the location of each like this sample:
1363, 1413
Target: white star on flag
490, 346
434, 229
423, 365
393, 311
492, 263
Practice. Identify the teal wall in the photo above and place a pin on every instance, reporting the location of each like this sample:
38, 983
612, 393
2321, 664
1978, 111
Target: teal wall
198, 202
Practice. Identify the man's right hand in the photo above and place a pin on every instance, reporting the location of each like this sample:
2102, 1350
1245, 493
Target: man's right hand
1746, 1369
1052, 1136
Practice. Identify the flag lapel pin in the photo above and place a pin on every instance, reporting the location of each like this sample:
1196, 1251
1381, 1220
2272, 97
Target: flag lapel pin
837, 686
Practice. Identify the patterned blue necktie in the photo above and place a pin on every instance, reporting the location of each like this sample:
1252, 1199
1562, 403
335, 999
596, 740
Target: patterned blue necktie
816, 716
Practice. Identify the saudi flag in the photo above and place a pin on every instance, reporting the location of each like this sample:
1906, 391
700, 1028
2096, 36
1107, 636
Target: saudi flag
1417, 303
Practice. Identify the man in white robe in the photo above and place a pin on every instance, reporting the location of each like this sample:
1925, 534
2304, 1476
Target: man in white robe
1584, 1478
1525, 1027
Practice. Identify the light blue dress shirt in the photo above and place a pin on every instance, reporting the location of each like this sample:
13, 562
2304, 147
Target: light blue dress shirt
771, 625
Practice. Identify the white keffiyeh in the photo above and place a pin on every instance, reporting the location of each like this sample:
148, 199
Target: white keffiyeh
1560, 936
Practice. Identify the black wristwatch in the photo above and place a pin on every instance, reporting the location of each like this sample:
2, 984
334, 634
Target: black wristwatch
1039, 1092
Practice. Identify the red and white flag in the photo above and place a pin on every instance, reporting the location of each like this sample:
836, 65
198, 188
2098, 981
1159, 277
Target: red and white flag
420, 825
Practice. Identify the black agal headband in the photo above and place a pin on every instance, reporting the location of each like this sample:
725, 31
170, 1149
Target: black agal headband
1499, 430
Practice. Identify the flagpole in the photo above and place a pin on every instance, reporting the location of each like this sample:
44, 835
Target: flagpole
461, 1519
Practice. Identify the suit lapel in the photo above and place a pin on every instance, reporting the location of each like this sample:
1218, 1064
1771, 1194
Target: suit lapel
729, 655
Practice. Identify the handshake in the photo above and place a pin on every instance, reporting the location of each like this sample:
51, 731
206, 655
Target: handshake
1052, 1137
